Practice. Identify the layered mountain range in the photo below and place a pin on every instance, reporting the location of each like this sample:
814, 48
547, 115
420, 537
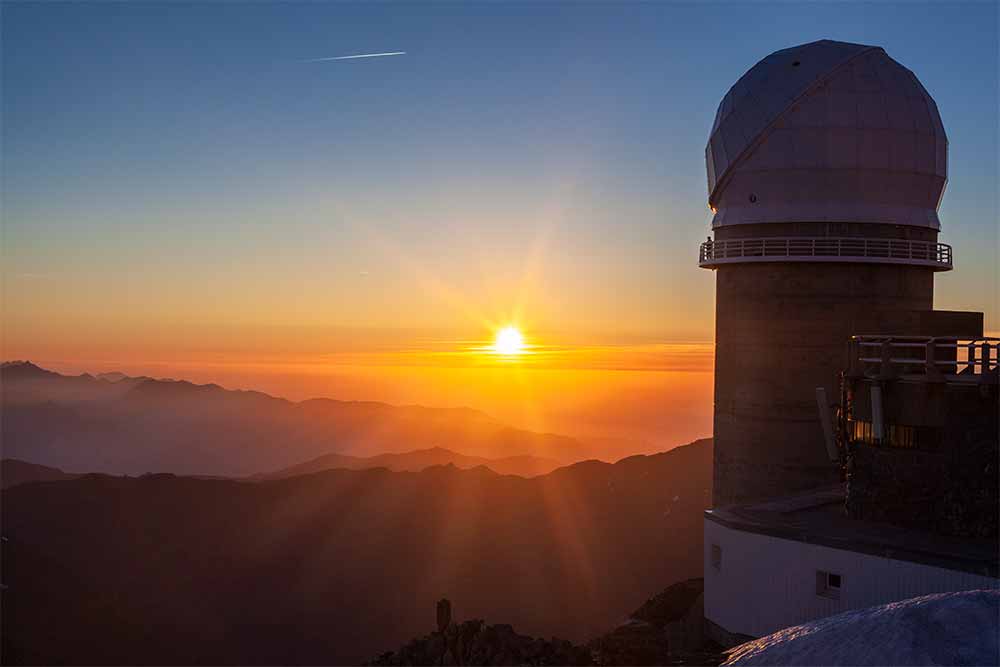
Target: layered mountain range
239, 528
131, 425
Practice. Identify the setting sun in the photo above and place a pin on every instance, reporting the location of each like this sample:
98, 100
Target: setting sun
509, 341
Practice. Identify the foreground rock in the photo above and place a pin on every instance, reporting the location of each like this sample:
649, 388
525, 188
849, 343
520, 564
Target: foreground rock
665, 630
668, 629
942, 629
475, 643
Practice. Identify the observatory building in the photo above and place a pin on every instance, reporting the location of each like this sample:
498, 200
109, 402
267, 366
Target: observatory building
855, 426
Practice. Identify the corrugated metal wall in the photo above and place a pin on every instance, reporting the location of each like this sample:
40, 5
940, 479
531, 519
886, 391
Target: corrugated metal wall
766, 583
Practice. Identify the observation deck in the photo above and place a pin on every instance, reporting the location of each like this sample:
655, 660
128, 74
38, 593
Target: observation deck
938, 256
935, 359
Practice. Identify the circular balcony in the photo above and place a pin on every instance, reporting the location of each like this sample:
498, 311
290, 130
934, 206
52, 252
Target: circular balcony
849, 250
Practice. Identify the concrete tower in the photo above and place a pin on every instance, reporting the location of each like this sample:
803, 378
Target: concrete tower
826, 165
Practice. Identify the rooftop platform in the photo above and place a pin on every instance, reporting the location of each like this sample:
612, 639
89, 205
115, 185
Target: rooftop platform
818, 517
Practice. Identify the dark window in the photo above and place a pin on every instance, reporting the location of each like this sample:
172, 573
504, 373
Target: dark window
833, 580
716, 556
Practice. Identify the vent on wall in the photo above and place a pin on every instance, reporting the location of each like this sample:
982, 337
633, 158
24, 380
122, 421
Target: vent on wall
717, 557
828, 584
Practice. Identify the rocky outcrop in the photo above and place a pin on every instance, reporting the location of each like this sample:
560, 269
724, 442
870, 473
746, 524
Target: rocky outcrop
443, 614
475, 643
666, 630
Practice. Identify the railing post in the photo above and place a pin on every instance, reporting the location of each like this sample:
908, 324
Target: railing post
855, 368
823, 405
931, 370
886, 371
878, 418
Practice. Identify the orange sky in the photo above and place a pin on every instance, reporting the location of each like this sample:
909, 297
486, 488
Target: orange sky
407, 328
352, 232
659, 394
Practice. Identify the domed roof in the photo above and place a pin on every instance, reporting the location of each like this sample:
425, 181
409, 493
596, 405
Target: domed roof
827, 132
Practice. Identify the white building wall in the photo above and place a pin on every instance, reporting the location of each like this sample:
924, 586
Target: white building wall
767, 583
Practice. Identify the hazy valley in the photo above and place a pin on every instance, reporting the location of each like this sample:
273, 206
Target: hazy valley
125, 425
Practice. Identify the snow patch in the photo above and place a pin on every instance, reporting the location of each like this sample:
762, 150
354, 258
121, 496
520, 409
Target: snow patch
940, 629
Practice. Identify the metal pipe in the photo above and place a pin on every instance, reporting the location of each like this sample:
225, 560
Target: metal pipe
824, 417
878, 425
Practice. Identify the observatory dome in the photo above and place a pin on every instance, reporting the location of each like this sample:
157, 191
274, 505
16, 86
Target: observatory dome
827, 132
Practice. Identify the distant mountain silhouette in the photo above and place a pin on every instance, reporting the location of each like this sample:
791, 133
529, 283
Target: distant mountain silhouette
113, 376
24, 370
337, 566
415, 461
14, 472
133, 425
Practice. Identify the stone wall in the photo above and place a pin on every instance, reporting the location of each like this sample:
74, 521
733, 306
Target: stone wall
781, 332
951, 489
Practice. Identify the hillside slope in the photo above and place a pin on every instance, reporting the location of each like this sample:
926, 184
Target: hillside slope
336, 567
15, 471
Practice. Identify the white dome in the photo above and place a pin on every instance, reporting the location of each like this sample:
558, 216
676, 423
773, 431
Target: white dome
827, 132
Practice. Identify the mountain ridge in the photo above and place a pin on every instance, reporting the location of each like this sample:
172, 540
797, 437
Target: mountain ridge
416, 460
131, 425
16, 471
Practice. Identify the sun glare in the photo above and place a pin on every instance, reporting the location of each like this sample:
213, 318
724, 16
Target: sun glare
509, 341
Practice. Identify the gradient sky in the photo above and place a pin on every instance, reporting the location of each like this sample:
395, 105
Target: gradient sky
182, 190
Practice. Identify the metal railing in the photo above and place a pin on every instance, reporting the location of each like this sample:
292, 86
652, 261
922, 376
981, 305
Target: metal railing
940, 357
825, 249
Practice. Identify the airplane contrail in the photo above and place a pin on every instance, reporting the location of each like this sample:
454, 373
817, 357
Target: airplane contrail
360, 55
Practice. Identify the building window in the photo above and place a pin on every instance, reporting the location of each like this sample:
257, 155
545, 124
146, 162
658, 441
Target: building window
717, 557
900, 436
828, 584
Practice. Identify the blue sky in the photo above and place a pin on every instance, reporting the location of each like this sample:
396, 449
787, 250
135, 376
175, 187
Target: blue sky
165, 162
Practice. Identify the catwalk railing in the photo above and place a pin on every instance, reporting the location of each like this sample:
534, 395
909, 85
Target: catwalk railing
825, 249
933, 358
